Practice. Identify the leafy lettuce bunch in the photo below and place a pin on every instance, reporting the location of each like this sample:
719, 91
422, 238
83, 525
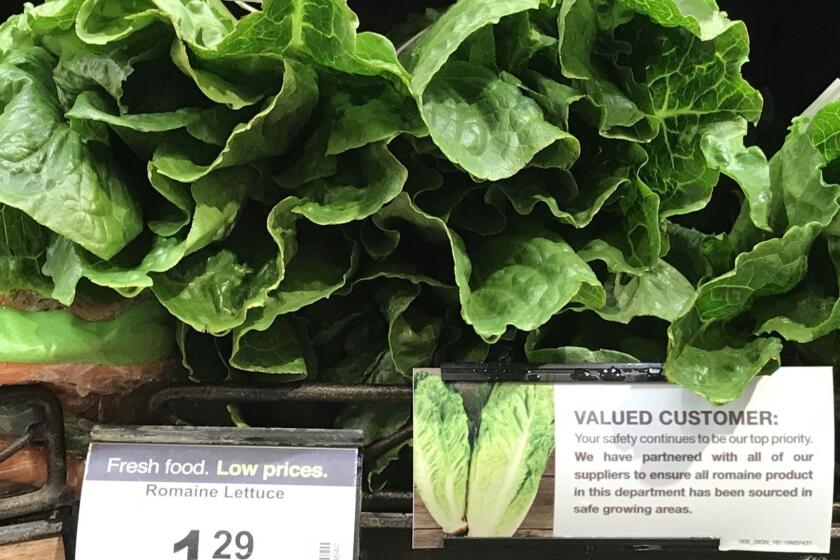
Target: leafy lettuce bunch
159, 138
168, 151
577, 143
769, 290
529, 179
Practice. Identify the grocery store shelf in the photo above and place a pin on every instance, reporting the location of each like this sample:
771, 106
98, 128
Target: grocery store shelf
399, 502
49, 431
385, 520
30, 531
160, 404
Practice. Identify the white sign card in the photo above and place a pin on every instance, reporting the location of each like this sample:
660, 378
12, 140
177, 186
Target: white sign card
657, 461
203, 502
830, 95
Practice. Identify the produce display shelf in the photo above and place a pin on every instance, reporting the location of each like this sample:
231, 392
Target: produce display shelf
47, 536
386, 520
380, 510
50, 432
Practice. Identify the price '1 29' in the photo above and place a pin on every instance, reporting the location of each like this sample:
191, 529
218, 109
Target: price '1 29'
228, 546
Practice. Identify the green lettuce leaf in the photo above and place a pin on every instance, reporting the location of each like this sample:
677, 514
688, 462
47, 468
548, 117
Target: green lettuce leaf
47, 171
520, 277
660, 291
709, 354
496, 138
23, 250
478, 117
268, 133
217, 200
797, 173
701, 17
267, 342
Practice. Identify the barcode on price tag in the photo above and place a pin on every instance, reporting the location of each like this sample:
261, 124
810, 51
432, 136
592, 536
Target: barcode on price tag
202, 501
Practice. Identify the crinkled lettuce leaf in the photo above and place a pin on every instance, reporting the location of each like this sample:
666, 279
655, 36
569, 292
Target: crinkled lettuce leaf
781, 285
47, 170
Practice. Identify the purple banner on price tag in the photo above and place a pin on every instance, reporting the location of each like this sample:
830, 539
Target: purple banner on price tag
297, 466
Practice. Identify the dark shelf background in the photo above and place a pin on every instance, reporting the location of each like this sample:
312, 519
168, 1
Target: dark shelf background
793, 57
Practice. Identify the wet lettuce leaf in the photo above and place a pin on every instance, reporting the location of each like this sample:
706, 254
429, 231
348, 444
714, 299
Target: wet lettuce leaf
785, 284
49, 172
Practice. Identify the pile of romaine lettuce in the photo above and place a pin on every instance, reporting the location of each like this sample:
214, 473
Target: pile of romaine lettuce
527, 180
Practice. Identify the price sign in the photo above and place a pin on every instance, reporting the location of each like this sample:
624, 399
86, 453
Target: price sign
206, 501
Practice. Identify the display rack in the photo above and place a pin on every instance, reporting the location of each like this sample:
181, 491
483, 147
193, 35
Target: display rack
380, 510
49, 432
386, 518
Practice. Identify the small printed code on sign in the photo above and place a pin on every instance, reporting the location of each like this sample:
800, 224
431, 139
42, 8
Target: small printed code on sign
776, 542
325, 551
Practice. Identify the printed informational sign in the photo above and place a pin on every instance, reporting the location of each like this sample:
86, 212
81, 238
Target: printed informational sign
598, 457
659, 461
203, 502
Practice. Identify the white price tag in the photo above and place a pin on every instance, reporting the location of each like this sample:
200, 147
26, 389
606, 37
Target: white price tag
207, 502
656, 461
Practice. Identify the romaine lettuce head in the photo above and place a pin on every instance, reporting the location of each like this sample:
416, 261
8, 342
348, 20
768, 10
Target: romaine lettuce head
782, 286
441, 451
514, 443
